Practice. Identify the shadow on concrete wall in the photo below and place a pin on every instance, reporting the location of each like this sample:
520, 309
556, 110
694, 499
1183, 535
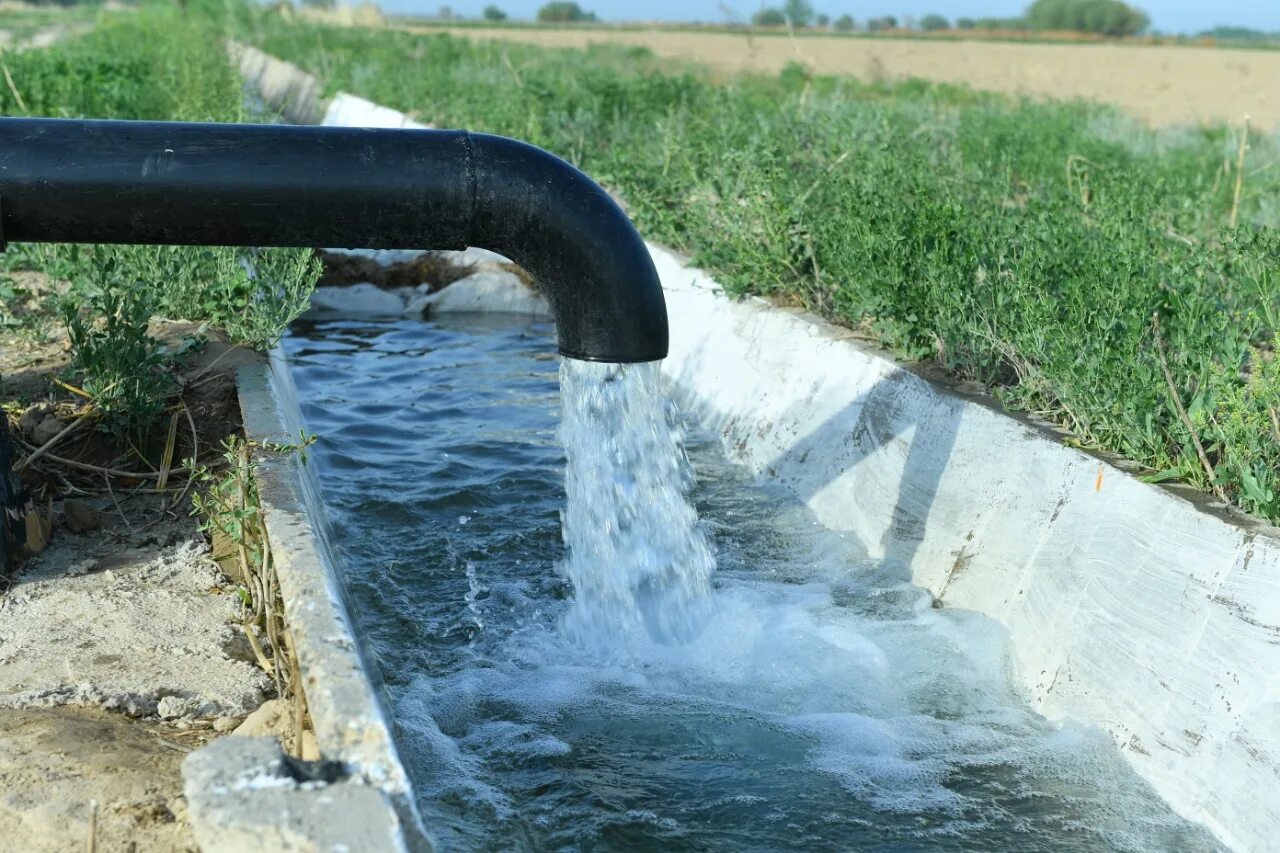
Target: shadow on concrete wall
891, 412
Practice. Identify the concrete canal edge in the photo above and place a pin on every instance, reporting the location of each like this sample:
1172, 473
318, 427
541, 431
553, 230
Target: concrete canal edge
1145, 610
244, 794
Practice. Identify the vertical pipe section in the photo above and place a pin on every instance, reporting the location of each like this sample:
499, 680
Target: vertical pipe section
73, 181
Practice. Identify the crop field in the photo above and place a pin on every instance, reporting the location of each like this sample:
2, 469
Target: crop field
1162, 85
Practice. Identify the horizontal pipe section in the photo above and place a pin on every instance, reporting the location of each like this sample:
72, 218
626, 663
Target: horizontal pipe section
73, 181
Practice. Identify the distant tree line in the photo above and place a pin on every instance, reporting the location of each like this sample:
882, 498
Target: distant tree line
1240, 34
1102, 17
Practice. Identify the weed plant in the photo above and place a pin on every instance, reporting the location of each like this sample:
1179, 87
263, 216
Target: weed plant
107, 316
1096, 273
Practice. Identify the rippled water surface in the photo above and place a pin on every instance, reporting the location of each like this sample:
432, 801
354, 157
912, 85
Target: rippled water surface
818, 703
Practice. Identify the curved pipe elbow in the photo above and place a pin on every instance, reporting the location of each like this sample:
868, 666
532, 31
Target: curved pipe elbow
578, 244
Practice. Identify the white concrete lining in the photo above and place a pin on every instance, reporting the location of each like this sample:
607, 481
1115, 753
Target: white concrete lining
1140, 609
281, 86
345, 709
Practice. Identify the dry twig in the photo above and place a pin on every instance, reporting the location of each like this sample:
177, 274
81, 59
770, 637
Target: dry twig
13, 89
119, 511
195, 451
48, 445
166, 458
91, 843
1182, 412
99, 469
1244, 146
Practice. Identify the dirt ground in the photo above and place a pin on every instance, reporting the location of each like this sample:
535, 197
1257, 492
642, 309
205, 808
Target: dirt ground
120, 644
1162, 85
63, 768
118, 656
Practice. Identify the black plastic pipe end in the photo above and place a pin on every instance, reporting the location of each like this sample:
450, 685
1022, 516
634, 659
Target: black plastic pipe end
74, 181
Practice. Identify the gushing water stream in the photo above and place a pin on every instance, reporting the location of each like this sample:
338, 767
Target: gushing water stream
637, 559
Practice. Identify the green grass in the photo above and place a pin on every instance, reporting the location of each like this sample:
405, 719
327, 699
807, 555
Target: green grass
151, 64
1031, 247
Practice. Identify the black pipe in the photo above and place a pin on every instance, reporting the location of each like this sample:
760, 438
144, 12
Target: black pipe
72, 181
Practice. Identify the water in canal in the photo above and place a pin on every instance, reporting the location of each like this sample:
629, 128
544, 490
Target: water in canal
702, 668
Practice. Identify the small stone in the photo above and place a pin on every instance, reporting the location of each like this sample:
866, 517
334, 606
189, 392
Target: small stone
46, 430
271, 718
173, 707
82, 568
79, 517
364, 300
418, 307
225, 724
33, 417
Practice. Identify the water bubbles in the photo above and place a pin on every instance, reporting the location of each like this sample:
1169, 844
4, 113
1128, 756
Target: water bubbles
474, 589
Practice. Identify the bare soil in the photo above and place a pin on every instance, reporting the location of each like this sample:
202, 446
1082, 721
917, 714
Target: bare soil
120, 645
1161, 85
61, 768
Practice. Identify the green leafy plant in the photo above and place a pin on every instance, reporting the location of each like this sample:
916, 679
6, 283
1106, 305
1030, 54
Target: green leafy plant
118, 363
250, 294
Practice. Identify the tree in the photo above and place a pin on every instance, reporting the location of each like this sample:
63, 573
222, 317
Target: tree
884, 22
564, 12
798, 12
965, 23
1104, 17
824, 21
493, 13
769, 17
844, 23
934, 23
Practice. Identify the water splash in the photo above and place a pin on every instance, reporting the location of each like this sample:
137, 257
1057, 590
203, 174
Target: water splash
637, 558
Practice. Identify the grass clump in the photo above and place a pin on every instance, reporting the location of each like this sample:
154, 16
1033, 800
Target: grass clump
1104, 276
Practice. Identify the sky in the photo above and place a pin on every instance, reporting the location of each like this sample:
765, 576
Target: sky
1171, 16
